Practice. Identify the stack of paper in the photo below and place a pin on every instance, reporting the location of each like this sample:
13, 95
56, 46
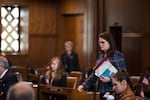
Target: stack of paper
105, 68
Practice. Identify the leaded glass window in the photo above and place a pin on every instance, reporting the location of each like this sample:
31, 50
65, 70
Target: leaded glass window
10, 37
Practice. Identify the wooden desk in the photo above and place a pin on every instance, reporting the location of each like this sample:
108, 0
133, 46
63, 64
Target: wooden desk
48, 92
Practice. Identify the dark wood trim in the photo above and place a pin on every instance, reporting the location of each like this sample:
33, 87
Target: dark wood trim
72, 14
43, 35
132, 35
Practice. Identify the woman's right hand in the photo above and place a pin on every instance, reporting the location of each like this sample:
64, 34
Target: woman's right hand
104, 79
47, 81
80, 88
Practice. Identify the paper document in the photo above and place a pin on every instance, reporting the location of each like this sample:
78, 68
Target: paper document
105, 69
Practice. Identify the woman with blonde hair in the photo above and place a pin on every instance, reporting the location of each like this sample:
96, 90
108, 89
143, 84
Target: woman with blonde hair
55, 75
69, 58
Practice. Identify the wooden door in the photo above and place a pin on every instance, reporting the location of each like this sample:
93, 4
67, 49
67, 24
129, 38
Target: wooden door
73, 31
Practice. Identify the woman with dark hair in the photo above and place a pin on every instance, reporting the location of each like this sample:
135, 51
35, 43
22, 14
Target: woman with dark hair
121, 83
55, 75
107, 49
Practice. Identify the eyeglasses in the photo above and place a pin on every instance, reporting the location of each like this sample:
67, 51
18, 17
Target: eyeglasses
102, 42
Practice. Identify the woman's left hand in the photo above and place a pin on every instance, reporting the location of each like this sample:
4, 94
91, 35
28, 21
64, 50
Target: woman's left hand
104, 79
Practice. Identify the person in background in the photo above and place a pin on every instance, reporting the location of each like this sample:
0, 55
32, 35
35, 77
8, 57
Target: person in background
121, 83
55, 75
107, 49
70, 58
143, 88
4, 55
21, 91
7, 77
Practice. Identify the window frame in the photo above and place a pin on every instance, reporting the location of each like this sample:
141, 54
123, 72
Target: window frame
18, 31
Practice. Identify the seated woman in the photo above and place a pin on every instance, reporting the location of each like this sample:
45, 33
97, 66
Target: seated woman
143, 88
55, 75
121, 84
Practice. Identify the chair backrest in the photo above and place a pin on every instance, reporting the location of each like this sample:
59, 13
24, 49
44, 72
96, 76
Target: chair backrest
77, 74
72, 82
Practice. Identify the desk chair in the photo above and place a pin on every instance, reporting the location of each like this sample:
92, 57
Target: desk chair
72, 82
77, 74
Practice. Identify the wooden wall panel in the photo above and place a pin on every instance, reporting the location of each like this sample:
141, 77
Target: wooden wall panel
42, 49
127, 13
42, 30
18, 60
146, 52
146, 41
131, 48
71, 6
42, 18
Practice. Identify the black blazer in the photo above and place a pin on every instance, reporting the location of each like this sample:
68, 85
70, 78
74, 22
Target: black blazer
70, 62
61, 82
8, 80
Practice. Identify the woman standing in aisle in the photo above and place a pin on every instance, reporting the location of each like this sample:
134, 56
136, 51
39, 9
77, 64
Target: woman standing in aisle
107, 49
